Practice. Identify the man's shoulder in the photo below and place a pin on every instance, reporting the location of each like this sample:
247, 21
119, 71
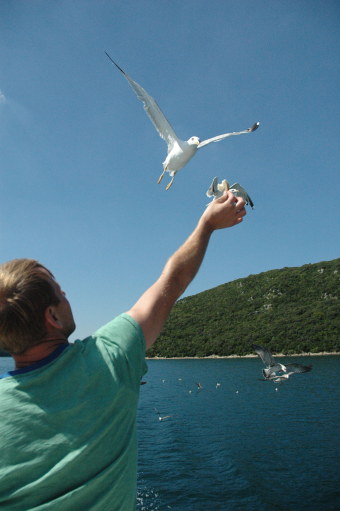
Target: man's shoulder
120, 338
121, 329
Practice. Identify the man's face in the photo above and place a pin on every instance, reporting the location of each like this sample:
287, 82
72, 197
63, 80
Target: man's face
63, 308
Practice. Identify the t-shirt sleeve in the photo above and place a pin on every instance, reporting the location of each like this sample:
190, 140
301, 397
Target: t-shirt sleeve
123, 341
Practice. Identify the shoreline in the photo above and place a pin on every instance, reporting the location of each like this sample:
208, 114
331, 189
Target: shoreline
250, 355
213, 357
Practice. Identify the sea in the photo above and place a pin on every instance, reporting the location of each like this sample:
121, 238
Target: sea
214, 437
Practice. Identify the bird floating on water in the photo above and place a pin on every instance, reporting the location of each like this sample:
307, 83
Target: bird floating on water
217, 189
179, 151
273, 367
162, 417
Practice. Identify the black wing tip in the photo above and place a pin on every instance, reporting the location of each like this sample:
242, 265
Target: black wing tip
302, 368
113, 62
250, 202
254, 126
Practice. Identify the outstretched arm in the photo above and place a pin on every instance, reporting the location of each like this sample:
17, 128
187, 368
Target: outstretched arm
154, 306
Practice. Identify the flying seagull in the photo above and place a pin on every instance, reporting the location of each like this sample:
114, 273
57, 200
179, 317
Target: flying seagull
273, 367
179, 151
291, 369
217, 189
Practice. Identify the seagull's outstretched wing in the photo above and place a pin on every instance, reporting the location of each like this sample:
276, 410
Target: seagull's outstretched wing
156, 115
265, 355
213, 190
239, 191
298, 368
225, 135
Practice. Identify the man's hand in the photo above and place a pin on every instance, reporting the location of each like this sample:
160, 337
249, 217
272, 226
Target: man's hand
224, 212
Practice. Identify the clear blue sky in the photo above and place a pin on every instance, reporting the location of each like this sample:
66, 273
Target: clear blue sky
80, 159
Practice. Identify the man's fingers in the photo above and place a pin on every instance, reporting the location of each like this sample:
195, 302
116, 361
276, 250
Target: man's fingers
226, 197
242, 212
240, 202
231, 200
239, 215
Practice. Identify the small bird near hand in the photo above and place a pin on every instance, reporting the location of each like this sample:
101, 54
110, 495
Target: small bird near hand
217, 189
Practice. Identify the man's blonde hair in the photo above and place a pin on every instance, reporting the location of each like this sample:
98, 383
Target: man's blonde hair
25, 293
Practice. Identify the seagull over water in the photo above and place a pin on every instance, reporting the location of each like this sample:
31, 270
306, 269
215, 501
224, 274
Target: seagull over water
179, 151
217, 189
273, 367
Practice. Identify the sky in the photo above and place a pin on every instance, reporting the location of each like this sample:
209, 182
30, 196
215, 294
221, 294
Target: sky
80, 159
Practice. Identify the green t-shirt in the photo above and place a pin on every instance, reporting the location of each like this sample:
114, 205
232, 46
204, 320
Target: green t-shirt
68, 425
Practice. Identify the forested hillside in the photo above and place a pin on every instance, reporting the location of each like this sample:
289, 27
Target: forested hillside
291, 310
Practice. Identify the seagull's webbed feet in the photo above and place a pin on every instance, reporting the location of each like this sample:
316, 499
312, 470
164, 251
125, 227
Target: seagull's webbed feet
161, 177
172, 179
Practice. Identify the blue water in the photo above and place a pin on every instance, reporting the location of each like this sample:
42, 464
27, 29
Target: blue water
240, 446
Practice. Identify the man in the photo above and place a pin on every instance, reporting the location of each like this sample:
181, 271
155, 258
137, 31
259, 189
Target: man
68, 411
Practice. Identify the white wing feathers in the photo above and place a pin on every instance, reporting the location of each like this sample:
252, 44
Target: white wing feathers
213, 190
155, 114
225, 135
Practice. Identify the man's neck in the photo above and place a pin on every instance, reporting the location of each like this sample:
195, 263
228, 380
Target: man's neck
37, 352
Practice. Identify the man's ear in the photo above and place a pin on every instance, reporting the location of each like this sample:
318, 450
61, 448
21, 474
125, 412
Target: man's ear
52, 318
